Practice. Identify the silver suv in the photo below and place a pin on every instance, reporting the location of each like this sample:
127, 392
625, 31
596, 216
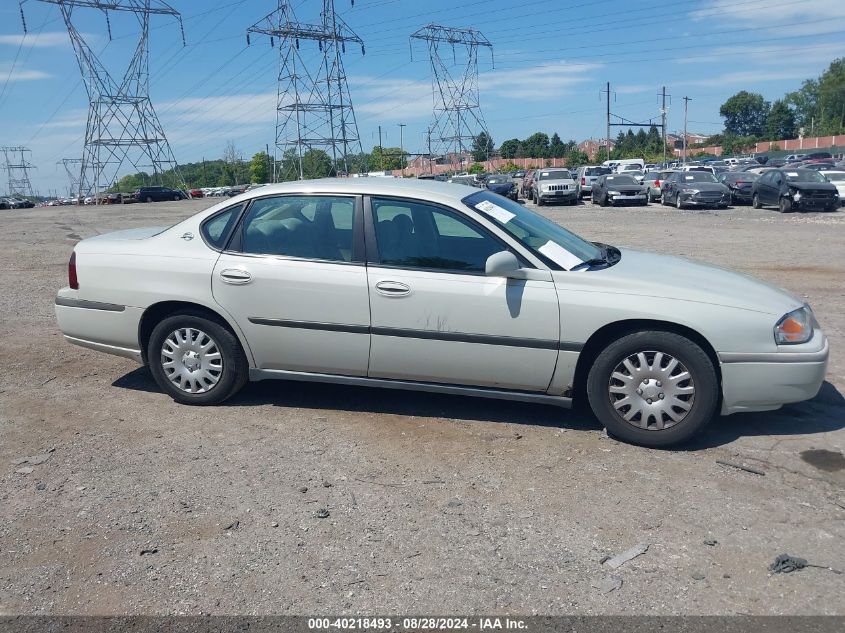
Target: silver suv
586, 176
554, 184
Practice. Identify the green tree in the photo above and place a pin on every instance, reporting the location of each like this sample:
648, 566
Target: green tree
804, 104
831, 99
780, 122
576, 157
509, 148
476, 168
316, 164
745, 114
557, 149
385, 158
482, 147
536, 145
260, 168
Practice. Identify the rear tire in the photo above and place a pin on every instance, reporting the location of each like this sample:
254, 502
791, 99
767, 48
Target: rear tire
755, 202
148, 199
182, 350
684, 369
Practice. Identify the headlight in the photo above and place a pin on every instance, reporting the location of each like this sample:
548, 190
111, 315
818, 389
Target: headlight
614, 193
795, 327
796, 195
690, 191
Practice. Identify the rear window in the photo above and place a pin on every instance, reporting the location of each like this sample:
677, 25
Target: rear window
596, 171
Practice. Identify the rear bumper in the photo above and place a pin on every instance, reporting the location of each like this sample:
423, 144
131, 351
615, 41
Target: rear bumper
104, 327
763, 382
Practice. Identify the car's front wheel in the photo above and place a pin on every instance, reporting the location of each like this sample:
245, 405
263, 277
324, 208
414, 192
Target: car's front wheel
755, 202
196, 360
785, 205
653, 388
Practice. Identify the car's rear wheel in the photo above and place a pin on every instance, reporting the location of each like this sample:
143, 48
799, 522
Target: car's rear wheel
755, 202
653, 388
148, 199
196, 360
177, 198
785, 205
663, 200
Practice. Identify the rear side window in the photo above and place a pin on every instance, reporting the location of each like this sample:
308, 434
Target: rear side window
217, 229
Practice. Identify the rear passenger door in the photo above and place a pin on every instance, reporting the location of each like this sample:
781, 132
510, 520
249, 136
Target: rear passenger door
294, 279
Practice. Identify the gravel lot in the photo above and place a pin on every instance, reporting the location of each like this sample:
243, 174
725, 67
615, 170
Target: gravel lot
437, 504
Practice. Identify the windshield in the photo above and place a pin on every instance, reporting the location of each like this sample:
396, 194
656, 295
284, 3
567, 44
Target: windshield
698, 176
541, 235
620, 180
560, 174
838, 176
803, 175
498, 180
596, 171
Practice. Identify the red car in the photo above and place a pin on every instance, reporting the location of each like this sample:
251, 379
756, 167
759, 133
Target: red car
196, 193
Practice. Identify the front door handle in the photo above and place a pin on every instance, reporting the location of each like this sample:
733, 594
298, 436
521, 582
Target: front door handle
393, 289
235, 276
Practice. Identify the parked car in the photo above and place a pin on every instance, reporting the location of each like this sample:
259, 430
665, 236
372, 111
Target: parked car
818, 156
527, 191
553, 185
613, 188
652, 182
636, 174
794, 190
837, 179
158, 194
197, 193
21, 203
503, 185
586, 176
791, 158
739, 185
819, 165
281, 284
5, 203
694, 189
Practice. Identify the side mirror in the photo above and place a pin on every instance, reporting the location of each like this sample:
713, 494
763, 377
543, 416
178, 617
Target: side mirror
501, 264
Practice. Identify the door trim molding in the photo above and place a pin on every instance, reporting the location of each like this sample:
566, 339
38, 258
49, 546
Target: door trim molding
384, 383
429, 335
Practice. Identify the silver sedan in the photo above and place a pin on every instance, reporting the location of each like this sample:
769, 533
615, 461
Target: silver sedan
438, 287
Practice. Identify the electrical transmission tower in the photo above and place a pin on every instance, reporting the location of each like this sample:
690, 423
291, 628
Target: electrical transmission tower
18, 168
123, 128
457, 112
313, 108
73, 168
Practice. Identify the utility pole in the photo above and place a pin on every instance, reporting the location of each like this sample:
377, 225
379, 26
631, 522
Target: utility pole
663, 113
402, 147
430, 162
313, 106
457, 119
607, 146
122, 125
686, 105
18, 171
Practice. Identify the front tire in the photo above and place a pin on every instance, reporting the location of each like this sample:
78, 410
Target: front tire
678, 203
755, 202
785, 205
195, 360
653, 388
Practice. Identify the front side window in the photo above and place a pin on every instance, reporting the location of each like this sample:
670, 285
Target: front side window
414, 234
311, 227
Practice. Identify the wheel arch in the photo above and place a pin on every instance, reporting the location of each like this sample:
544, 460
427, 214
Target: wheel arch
155, 313
606, 334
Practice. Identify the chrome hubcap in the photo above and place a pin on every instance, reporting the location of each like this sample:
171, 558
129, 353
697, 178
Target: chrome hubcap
191, 360
651, 390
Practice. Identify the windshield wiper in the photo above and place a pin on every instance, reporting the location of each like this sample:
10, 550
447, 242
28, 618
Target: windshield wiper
595, 261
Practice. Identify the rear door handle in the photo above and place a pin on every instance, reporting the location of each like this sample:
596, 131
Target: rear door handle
393, 289
235, 276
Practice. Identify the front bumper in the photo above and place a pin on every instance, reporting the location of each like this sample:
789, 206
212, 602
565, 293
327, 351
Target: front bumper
764, 382
806, 203
640, 198
697, 200
566, 194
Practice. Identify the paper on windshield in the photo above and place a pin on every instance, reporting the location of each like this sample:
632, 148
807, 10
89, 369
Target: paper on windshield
495, 211
560, 255
689, 177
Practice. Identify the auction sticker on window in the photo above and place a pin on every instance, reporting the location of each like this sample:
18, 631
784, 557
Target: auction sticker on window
495, 211
560, 255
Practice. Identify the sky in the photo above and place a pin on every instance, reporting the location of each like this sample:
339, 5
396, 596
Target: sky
550, 61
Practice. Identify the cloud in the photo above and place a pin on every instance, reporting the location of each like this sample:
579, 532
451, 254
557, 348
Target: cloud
768, 54
764, 12
36, 40
536, 83
740, 77
391, 99
21, 74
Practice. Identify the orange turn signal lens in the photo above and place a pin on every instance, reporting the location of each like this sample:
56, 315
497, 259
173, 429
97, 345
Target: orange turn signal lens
795, 327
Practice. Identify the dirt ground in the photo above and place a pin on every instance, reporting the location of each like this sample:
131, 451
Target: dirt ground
131, 503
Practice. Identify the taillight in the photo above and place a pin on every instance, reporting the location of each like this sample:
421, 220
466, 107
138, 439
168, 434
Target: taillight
656, 183
583, 180
72, 281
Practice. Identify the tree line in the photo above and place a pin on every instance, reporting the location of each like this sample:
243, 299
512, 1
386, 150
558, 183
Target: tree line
817, 108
